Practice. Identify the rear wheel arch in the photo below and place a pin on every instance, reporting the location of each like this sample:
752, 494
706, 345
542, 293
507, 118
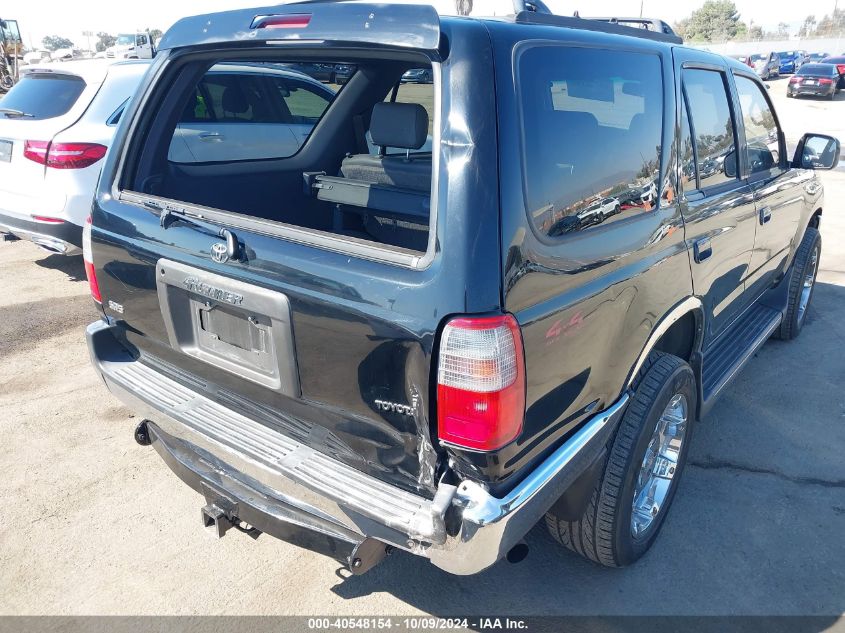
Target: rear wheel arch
679, 333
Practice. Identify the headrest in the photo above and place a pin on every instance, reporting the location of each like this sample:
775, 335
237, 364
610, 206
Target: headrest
234, 100
402, 125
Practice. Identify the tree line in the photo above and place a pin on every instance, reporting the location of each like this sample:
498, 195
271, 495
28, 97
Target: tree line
104, 40
719, 21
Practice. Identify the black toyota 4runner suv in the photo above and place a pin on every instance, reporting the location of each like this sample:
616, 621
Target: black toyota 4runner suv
425, 315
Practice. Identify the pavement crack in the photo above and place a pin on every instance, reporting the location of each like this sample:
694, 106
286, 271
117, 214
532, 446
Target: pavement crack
722, 464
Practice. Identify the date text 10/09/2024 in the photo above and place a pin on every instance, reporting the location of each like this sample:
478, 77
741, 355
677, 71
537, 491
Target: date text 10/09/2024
417, 624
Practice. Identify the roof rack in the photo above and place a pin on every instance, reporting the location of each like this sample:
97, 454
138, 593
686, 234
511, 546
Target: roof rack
647, 28
536, 6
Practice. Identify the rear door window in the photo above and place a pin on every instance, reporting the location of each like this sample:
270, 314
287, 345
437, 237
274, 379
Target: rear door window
44, 96
712, 126
240, 98
689, 173
303, 103
253, 114
592, 127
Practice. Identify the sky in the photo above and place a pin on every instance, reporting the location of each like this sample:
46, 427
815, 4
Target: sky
69, 19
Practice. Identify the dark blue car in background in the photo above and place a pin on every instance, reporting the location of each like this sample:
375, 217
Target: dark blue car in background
791, 61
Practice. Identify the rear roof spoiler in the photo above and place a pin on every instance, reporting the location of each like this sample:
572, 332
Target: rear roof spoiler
400, 25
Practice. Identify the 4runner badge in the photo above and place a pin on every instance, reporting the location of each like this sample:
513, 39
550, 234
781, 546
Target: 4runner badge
206, 290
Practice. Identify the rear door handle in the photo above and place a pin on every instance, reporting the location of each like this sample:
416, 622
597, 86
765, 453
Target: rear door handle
702, 249
765, 215
211, 137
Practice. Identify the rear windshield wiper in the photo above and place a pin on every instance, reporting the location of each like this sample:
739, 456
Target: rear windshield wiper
168, 215
13, 112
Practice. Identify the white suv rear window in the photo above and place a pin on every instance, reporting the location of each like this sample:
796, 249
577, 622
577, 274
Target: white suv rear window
44, 96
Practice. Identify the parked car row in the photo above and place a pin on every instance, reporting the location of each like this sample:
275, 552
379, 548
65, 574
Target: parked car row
817, 74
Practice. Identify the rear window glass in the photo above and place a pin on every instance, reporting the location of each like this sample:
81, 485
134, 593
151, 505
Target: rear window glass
270, 140
44, 96
817, 69
592, 123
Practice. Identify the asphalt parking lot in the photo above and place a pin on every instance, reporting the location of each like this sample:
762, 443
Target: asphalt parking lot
91, 523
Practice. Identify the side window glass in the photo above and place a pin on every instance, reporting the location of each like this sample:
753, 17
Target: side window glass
762, 134
689, 174
302, 103
240, 98
592, 123
114, 119
712, 125
142, 40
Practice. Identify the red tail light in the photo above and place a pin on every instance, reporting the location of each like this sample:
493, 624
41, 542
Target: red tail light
795, 80
47, 220
481, 382
36, 151
840, 69
825, 82
64, 155
88, 260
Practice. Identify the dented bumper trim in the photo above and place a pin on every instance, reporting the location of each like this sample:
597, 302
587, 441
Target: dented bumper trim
340, 499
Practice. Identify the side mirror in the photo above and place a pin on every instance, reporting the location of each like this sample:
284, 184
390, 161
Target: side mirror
817, 151
730, 164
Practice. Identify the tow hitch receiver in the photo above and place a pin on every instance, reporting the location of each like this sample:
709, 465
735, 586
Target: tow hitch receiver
215, 518
219, 513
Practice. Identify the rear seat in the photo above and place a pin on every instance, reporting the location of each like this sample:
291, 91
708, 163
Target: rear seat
395, 125
389, 192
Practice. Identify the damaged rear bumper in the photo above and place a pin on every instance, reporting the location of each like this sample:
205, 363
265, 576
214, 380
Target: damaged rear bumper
253, 473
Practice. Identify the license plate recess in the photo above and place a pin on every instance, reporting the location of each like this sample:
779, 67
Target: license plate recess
240, 328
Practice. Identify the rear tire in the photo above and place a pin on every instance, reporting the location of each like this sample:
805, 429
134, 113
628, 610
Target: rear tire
802, 283
610, 532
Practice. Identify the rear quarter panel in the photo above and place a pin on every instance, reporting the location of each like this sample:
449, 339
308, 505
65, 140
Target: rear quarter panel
587, 302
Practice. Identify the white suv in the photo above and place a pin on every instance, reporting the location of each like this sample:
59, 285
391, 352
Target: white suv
56, 124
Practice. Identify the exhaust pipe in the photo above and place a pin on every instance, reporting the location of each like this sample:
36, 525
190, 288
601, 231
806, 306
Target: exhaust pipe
517, 553
51, 246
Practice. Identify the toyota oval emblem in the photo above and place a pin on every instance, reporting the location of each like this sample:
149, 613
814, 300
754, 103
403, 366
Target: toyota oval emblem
220, 253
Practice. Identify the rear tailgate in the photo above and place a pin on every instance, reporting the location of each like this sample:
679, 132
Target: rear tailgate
332, 349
